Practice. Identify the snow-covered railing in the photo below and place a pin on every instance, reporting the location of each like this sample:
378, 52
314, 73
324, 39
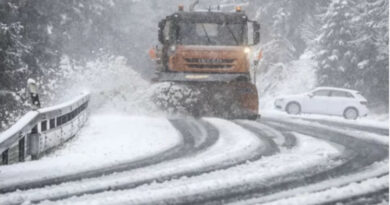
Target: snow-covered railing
42, 130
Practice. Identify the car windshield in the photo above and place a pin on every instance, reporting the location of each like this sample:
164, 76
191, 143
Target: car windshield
210, 34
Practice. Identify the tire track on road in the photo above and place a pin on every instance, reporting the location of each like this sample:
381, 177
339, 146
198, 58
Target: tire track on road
186, 129
377, 197
361, 154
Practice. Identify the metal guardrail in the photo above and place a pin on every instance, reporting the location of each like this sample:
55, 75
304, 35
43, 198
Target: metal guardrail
42, 130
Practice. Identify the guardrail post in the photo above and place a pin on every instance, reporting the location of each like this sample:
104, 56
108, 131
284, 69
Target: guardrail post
22, 145
4, 157
34, 143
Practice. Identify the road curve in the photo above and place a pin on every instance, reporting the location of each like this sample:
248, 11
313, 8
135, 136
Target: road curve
217, 163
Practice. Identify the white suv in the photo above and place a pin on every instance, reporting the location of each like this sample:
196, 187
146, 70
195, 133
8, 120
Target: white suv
325, 100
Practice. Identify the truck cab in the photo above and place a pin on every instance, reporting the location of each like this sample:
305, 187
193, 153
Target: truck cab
216, 43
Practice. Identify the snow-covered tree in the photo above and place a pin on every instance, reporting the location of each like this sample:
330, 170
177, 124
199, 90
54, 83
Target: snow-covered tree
337, 57
34, 37
372, 45
353, 47
13, 69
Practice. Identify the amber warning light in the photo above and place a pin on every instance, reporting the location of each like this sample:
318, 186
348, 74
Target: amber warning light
260, 56
238, 9
152, 54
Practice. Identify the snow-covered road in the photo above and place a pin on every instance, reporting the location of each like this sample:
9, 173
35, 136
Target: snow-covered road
304, 156
273, 160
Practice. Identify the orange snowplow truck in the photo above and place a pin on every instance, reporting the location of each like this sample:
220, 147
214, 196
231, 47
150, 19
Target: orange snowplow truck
210, 51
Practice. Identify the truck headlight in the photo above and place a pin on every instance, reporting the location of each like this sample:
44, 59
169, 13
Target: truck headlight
172, 50
247, 50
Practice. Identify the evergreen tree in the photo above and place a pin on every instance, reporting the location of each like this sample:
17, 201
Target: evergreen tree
35, 35
372, 45
337, 58
353, 47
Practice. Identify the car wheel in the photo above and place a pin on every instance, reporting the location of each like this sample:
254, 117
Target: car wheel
351, 113
293, 108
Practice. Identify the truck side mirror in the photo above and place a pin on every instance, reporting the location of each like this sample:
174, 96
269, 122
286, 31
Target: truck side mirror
253, 33
256, 32
161, 27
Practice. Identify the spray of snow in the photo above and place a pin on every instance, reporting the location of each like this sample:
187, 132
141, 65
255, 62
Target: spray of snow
114, 86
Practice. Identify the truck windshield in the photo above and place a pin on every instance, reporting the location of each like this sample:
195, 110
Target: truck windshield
210, 34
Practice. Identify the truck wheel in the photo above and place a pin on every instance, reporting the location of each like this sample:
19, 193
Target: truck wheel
253, 117
351, 113
293, 108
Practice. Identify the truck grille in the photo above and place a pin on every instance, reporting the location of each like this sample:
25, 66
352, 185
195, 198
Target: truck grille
205, 63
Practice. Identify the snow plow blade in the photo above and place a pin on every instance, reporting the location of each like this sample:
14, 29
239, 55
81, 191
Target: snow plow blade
231, 100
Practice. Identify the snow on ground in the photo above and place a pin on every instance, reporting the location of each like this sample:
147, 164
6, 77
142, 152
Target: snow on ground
298, 195
352, 132
379, 121
382, 118
277, 136
234, 144
307, 155
370, 185
106, 140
